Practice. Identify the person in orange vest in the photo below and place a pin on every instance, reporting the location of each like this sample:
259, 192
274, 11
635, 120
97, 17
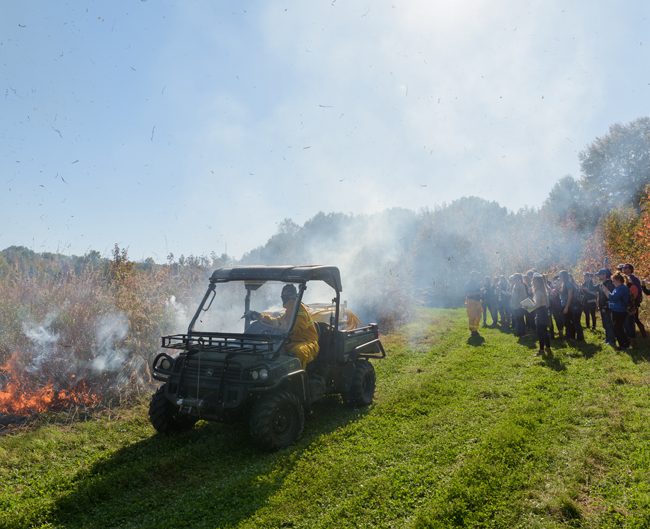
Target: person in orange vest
473, 302
303, 339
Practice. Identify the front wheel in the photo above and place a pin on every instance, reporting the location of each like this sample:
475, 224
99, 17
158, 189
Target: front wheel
164, 415
277, 420
361, 389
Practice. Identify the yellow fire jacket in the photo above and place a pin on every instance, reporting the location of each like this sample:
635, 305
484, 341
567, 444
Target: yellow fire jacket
303, 340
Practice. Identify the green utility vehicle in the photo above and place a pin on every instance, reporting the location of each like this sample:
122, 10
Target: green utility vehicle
233, 367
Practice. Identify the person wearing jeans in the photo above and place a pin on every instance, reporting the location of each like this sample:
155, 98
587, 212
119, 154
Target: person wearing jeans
590, 294
517, 295
618, 300
571, 307
540, 312
604, 275
636, 292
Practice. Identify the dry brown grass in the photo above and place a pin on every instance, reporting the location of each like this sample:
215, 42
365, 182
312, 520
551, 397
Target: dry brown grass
100, 326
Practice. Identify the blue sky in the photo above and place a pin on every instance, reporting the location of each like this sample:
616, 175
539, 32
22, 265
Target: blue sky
195, 126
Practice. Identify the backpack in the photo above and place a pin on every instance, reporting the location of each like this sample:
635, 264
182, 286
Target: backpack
579, 294
633, 304
637, 283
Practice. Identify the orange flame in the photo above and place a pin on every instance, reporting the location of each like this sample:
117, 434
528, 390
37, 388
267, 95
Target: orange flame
21, 395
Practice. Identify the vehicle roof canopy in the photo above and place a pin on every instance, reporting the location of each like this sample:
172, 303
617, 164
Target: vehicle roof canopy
286, 273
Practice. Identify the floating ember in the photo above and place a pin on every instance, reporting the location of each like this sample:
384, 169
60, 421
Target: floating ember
22, 393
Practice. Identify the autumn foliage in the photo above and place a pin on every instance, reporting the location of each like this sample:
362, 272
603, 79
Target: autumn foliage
626, 235
622, 236
643, 235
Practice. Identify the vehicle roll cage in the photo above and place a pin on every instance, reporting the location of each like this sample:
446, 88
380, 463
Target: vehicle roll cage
285, 273
253, 277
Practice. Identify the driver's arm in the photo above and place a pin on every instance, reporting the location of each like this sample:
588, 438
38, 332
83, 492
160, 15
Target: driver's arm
281, 321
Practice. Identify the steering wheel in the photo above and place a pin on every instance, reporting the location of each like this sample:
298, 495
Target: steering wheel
259, 327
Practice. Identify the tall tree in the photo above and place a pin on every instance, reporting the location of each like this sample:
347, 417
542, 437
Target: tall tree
568, 205
616, 167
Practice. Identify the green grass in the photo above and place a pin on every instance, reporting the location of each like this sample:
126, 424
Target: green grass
460, 435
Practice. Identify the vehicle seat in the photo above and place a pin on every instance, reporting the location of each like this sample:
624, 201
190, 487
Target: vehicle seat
325, 337
324, 332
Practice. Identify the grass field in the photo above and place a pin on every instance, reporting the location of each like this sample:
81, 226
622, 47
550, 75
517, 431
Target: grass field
460, 435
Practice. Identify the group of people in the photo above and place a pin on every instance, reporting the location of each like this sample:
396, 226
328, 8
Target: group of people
536, 302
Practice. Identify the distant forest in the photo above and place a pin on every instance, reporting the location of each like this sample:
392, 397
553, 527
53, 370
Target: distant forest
582, 223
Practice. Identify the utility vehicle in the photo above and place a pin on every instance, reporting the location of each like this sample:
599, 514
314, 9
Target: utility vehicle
231, 367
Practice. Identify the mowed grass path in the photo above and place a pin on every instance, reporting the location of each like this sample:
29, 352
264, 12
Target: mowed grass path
460, 435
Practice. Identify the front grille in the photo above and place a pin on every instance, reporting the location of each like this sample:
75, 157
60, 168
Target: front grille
205, 379
212, 371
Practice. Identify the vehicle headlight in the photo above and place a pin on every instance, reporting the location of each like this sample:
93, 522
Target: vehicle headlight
260, 373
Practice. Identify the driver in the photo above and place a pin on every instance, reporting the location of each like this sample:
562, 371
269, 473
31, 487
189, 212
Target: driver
303, 339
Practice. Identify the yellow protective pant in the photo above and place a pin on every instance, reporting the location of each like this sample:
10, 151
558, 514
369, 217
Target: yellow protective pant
474, 313
305, 351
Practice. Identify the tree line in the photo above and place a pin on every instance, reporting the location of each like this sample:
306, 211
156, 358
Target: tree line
391, 262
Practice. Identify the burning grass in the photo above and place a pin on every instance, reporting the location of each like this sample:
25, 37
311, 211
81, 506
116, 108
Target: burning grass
24, 394
82, 338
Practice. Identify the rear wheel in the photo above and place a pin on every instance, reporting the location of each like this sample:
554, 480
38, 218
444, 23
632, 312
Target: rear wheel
164, 415
361, 390
277, 420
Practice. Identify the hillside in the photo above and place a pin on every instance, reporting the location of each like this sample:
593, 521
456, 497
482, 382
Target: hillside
459, 436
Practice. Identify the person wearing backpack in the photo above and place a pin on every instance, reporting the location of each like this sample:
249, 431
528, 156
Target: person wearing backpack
636, 293
551, 327
489, 301
604, 275
618, 301
589, 294
503, 297
571, 306
517, 295
540, 313
556, 306
529, 318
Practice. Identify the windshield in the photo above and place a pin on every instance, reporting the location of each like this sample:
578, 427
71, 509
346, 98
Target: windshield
224, 312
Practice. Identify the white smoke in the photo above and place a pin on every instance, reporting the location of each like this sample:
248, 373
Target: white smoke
47, 353
43, 340
179, 313
111, 330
